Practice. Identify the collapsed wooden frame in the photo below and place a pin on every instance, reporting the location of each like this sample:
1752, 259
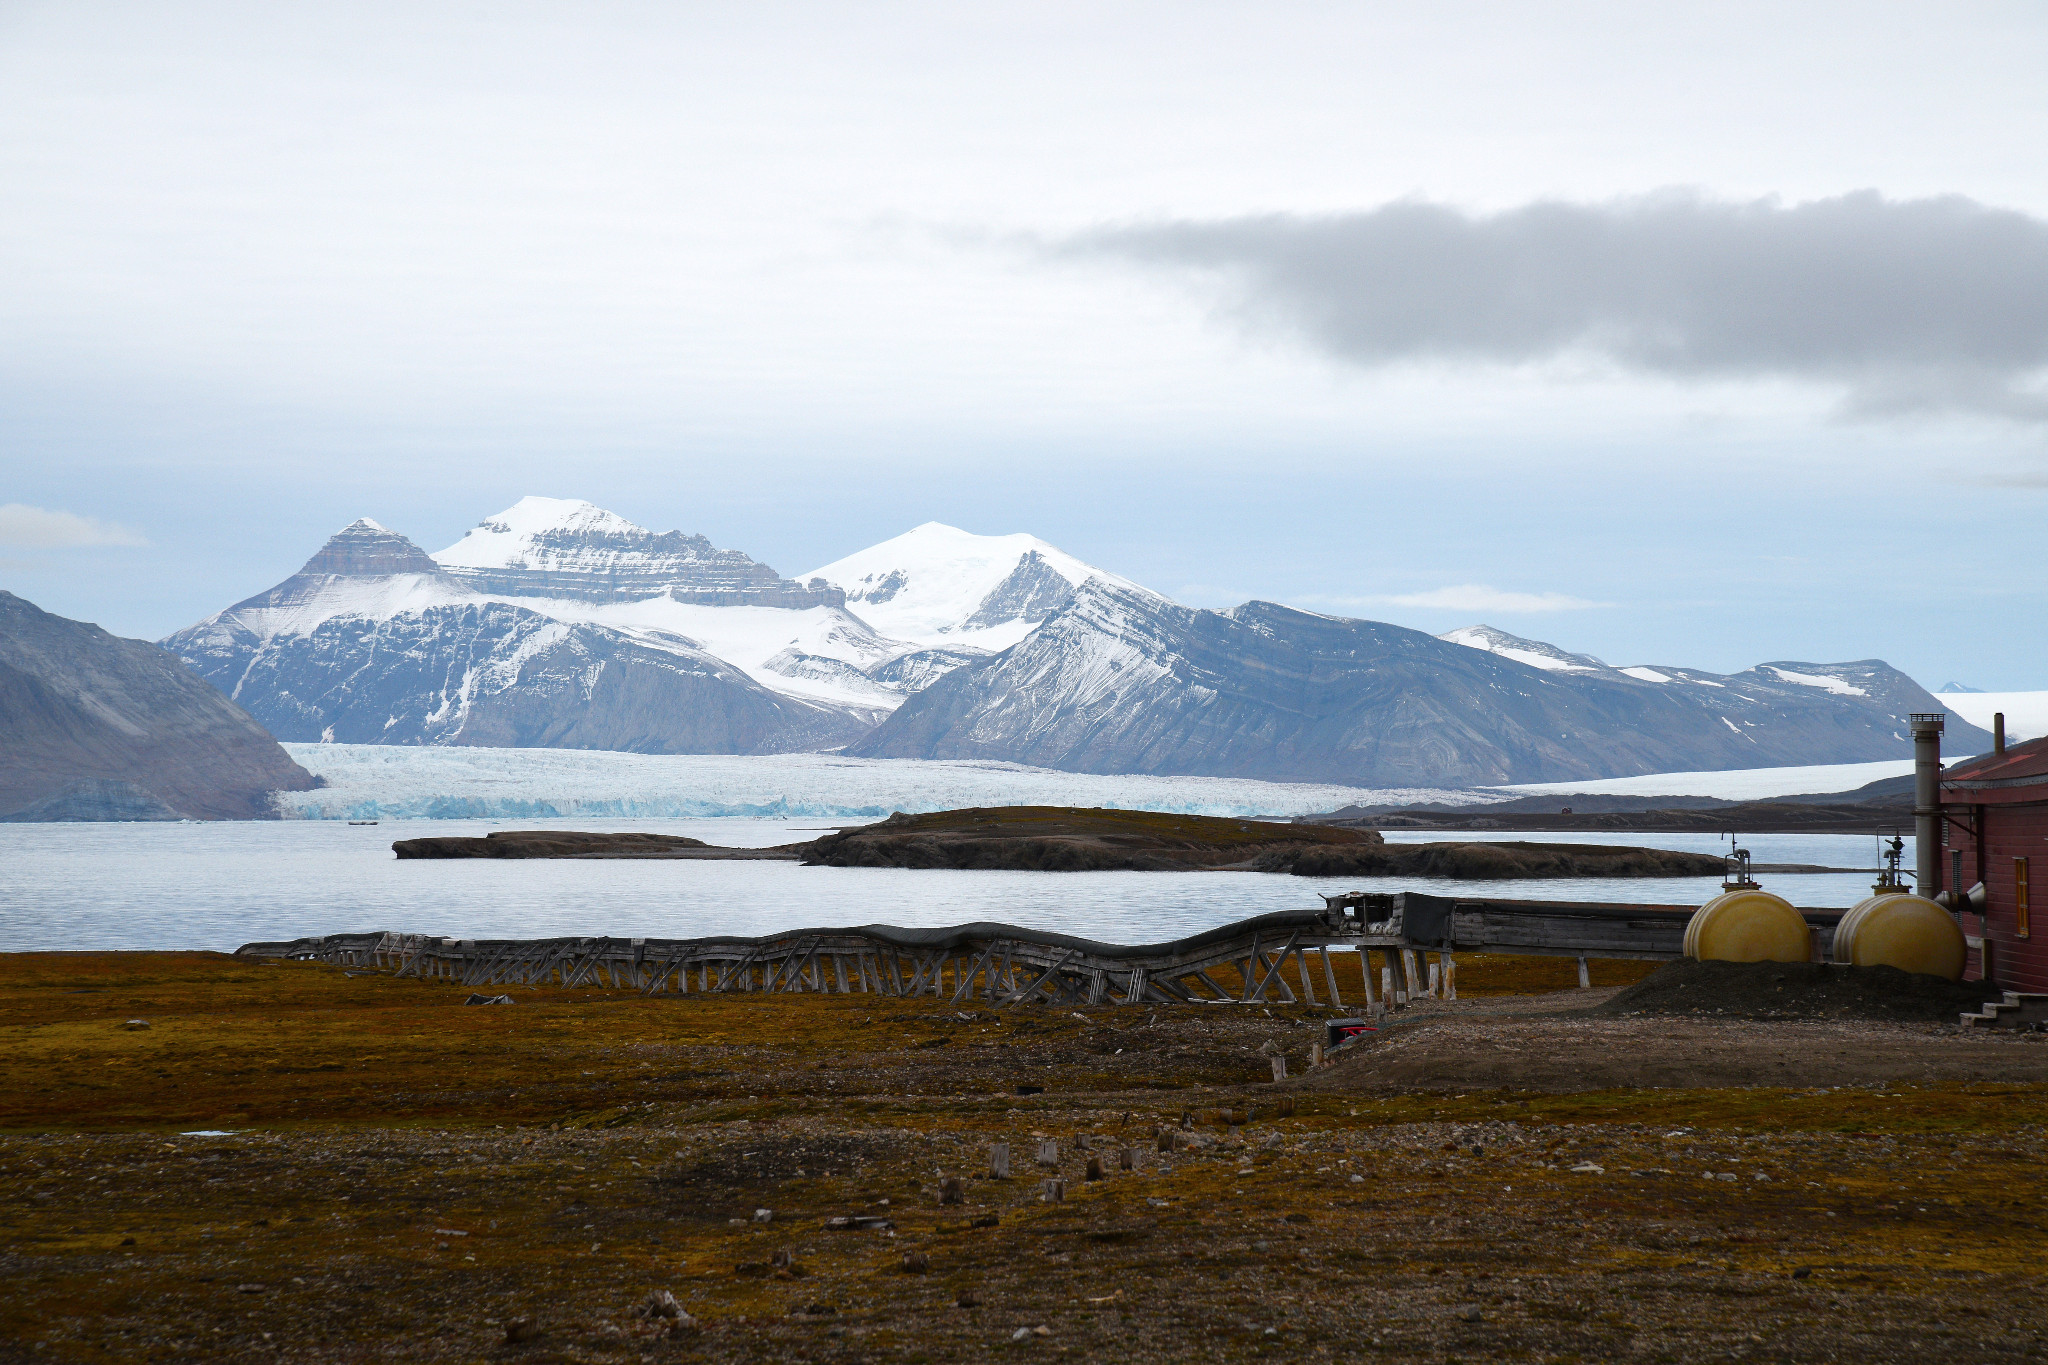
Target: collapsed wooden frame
1000, 970
1006, 965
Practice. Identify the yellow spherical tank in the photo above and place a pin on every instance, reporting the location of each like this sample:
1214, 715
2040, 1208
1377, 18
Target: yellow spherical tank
1845, 928
1909, 932
1748, 926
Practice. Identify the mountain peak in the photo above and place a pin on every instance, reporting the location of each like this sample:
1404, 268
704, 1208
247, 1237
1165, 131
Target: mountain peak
364, 549
937, 584
568, 548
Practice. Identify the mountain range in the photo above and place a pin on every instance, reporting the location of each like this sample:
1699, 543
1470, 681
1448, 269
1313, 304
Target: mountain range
556, 623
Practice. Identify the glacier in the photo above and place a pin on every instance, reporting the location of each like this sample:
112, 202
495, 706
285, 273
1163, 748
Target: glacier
393, 782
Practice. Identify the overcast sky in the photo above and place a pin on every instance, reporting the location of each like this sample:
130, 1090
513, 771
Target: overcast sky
1700, 337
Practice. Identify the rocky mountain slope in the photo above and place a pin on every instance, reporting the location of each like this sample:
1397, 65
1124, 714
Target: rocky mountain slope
1122, 681
97, 727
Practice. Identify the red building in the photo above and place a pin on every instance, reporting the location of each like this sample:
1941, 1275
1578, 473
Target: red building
1995, 810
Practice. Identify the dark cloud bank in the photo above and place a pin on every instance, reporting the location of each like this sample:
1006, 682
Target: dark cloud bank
1910, 305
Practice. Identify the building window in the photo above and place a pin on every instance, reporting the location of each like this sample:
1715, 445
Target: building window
2019, 897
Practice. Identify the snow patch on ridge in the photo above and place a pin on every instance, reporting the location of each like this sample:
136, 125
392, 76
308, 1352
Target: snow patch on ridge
1820, 680
1534, 653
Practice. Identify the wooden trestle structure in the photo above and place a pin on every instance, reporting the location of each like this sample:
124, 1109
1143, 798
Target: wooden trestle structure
1282, 956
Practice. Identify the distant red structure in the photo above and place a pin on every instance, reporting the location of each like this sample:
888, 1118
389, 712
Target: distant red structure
1995, 814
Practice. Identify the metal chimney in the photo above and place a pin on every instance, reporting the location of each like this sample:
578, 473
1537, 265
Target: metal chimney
1927, 727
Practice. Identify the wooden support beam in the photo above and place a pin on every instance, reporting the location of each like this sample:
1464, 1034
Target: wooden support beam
966, 978
1308, 990
1043, 977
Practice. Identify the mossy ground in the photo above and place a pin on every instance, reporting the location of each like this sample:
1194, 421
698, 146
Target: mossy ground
591, 1147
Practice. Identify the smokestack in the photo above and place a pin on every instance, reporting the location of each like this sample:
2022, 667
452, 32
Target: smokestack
1927, 726
1998, 733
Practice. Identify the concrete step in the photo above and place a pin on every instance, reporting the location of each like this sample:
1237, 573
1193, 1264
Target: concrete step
2015, 1010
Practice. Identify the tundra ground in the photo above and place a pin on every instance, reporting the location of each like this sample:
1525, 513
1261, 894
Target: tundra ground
295, 1164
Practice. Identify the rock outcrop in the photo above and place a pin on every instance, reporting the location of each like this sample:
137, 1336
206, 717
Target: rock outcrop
96, 727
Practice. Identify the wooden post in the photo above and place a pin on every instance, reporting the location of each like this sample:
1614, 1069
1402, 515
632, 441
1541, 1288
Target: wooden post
1308, 991
839, 971
999, 1161
1394, 995
1433, 990
1054, 1189
1450, 977
1128, 1159
1280, 1068
1365, 973
1315, 1055
1094, 1171
1411, 976
1330, 978
1048, 1152
1585, 975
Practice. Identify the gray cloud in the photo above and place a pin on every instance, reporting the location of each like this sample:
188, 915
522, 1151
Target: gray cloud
24, 527
1908, 305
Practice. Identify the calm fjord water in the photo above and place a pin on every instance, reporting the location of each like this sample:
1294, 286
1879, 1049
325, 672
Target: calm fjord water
159, 886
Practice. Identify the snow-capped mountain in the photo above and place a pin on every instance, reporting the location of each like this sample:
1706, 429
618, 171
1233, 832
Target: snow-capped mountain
375, 641
1125, 682
1873, 683
557, 623
940, 585
567, 548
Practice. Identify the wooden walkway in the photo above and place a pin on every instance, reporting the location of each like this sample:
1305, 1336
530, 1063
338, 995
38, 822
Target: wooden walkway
1278, 957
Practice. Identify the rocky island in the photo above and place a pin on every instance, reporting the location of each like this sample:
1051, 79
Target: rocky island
1064, 839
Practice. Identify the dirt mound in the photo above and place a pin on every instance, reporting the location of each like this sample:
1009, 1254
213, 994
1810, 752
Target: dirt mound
1796, 990
1490, 861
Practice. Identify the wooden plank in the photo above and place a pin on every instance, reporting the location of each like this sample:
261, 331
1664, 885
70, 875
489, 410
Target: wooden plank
1330, 978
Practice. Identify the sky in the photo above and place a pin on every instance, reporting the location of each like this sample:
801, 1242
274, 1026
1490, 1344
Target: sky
1700, 338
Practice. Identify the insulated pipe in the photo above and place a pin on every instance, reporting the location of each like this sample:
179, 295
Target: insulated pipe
1927, 727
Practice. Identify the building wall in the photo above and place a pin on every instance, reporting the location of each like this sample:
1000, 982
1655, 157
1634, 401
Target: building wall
2010, 831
